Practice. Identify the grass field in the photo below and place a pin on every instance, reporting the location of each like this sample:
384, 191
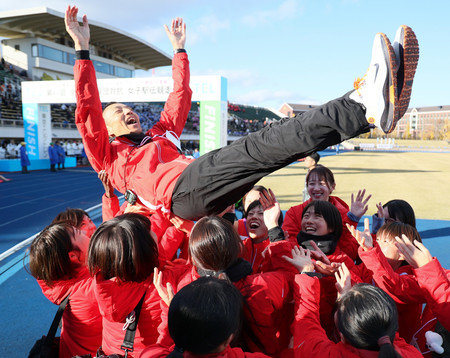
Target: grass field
422, 179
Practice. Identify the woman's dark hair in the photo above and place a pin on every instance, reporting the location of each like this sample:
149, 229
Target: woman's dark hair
329, 213
214, 244
323, 173
397, 228
49, 253
400, 210
366, 313
71, 216
203, 315
256, 203
258, 188
123, 248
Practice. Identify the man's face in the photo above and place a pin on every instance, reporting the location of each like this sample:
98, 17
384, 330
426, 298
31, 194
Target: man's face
309, 163
120, 120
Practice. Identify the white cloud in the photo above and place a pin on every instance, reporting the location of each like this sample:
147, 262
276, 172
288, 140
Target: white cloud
288, 9
207, 27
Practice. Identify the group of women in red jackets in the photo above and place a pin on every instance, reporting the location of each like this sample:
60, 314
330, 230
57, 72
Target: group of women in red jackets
311, 285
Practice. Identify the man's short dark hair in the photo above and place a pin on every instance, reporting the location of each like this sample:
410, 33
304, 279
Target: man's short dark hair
315, 156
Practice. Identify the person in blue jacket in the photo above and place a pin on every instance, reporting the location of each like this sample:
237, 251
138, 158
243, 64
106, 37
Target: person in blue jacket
61, 155
24, 161
53, 156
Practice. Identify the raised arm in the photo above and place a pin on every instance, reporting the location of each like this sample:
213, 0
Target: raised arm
88, 116
79, 34
177, 107
176, 33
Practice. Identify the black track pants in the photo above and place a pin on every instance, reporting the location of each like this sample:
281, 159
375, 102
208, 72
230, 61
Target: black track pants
221, 177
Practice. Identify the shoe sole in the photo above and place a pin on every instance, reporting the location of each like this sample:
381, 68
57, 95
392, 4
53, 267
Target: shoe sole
387, 121
406, 48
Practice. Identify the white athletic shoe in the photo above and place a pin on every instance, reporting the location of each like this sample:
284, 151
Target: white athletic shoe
377, 90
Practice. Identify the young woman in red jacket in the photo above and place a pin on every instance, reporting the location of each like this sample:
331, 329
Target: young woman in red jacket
204, 318
263, 222
214, 250
320, 182
122, 257
58, 262
321, 232
78, 218
385, 266
366, 318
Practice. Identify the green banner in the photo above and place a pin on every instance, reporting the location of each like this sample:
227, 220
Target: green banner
210, 126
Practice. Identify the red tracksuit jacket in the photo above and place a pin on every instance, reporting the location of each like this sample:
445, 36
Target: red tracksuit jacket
293, 224
152, 169
310, 339
268, 306
81, 331
435, 281
400, 285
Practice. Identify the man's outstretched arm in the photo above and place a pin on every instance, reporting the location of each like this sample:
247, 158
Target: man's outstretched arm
177, 107
88, 116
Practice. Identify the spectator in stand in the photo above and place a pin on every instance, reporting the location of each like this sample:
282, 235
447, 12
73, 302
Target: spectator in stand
24, 161
196, 153
11, 150
70, 148
3, 151
53, 156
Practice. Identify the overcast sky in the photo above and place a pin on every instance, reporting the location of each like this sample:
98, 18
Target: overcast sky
299, 51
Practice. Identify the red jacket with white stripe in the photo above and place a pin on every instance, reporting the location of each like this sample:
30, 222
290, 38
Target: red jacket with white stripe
150, 170
81, 331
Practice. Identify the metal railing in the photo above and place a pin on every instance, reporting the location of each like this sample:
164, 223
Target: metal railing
18, 261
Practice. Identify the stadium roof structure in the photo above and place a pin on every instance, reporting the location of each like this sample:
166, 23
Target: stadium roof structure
48, 24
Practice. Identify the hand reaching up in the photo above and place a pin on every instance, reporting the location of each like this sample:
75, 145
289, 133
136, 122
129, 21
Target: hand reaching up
79, 34
364, 238
416, 254
271, 208
176, 33
301, 259
343, 280
166, 293
359, 204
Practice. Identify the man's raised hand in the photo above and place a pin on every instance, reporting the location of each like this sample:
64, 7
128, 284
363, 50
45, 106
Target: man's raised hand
79, 34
